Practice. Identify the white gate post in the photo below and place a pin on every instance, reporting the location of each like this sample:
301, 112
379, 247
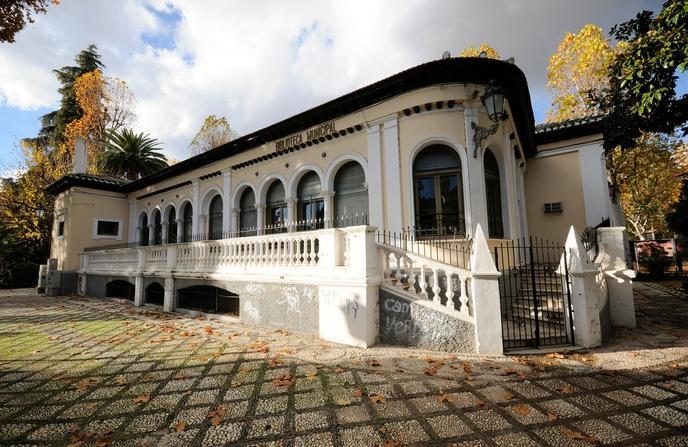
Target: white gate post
613, 244
485, 295
587, 297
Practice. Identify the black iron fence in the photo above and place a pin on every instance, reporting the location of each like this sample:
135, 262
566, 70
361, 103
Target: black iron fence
453, 250
440, 224
535, 294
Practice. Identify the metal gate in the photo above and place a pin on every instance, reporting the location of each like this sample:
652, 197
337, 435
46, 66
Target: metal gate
535, 294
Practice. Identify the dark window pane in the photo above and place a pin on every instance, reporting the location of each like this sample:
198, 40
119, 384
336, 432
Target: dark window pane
60, 228
107, 228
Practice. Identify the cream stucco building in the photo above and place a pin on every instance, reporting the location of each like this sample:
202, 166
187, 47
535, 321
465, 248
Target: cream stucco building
364, 218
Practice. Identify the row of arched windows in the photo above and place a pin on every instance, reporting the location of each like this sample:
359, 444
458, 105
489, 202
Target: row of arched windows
350, 207
438, 199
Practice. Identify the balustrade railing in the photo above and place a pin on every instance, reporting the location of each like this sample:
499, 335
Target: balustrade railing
426, 279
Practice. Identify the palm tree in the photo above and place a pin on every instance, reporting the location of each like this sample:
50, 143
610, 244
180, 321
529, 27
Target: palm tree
133, 155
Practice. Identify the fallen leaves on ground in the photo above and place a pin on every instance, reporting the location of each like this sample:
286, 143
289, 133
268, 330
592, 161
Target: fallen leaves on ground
208, 329
143, 398
555, 355
215, 416
374, 363
179, 426
377, 399
342, 401
285, 379
522, 410
259, 346
103, 442
444, 397
570, 434
566, 389
276, 360
339, 370
311, 375
552, 417
508, 395
86, 383
392, 443
358, 393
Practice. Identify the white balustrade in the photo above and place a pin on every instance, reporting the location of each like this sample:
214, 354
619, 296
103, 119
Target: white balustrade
427, 279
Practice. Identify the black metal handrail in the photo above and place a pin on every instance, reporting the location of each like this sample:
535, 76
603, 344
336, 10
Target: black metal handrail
453, 250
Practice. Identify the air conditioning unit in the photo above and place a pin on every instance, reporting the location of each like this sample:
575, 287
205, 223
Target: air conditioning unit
554, 207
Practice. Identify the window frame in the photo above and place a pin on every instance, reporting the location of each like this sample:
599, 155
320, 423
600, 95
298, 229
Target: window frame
97, 220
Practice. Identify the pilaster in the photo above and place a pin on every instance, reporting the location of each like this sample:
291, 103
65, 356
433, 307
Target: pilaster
375, 176
392, 175
195, 225
226, 201
476, 177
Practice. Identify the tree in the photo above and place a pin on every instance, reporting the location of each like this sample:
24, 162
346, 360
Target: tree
213, 133
106, 104
15, 14
648, 180
132, 155
576, 71
53, 124
641, 96
475, 52
677, 218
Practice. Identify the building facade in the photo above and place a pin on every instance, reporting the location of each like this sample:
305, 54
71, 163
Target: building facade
357, 218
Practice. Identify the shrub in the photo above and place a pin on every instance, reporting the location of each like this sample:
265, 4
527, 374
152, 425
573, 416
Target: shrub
656, 261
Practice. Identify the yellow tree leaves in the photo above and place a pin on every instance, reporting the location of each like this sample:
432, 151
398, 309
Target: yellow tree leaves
213, 133
106, 104
577, 68
475, 52
648, 179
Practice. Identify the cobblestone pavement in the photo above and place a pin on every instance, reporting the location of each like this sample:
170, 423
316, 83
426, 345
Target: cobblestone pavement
93, 372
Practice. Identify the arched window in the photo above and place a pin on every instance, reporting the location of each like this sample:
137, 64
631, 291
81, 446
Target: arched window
157, 228
438, 189
172, 227
493, 196
187, 223
351, 196
276, 207
155, 294
144, 229
311, 214
120, 289
247, 213
215, 218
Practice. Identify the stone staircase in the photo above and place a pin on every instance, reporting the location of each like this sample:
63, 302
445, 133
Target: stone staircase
523, 315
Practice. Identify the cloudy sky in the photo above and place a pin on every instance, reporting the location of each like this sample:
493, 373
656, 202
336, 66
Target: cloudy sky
257, 61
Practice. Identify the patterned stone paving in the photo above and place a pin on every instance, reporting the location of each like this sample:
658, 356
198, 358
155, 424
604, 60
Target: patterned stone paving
93, 372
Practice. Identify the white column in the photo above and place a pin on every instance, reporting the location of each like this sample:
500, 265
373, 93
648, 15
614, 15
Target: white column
133, 210
165, 231
586, 295
485, 296
138, 291
392, 175
511, 221
226, 201
151, 234
196, 222
180, 229
329, 211
168, 302
234, 221
375, 205
260, 218
291, 213
477, 214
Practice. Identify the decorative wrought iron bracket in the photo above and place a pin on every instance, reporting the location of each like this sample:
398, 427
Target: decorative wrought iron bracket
480, 134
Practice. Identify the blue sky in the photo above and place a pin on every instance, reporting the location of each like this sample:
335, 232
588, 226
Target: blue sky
259, 62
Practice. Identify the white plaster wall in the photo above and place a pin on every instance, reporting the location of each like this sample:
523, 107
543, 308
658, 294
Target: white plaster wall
595, 189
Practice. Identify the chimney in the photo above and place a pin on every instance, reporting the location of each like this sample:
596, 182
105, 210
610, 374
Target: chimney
80, 156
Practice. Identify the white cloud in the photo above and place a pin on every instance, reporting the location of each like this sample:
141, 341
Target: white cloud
258, 62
